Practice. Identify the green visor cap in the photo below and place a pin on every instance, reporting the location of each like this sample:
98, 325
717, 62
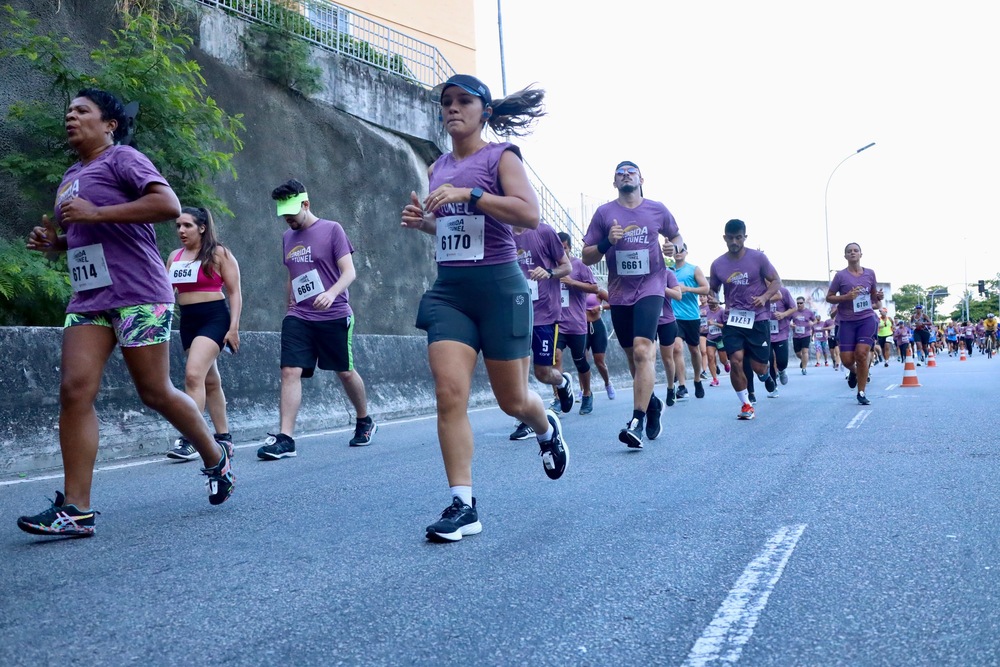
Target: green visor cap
292, 205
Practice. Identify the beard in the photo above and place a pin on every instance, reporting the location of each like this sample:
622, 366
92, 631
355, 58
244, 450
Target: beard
628, 188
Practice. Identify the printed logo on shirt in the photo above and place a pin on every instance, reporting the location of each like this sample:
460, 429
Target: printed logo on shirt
739, 278
68, 191
524, 257
456, 208
300, 255
636, 234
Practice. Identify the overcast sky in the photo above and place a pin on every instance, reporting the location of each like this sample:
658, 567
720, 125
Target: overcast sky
743, 110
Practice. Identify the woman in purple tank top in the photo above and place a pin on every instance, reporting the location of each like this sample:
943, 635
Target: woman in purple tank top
480, 300
855, 292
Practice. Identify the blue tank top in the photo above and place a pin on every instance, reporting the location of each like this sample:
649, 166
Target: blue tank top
687, 307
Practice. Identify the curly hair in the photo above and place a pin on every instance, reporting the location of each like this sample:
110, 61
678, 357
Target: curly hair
111, 109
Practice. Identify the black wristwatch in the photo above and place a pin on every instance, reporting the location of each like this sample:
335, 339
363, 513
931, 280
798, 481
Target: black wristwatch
474, 197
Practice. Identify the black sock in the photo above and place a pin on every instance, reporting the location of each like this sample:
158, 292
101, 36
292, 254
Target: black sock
640, 415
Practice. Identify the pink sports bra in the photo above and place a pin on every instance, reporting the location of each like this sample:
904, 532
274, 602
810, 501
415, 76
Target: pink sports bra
205, 283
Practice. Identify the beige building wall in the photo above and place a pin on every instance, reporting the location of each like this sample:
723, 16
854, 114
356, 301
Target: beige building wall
449, 25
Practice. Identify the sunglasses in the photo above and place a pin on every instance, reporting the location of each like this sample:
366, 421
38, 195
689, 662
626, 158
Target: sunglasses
631, 171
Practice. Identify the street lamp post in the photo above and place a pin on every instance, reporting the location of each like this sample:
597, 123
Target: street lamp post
826, 216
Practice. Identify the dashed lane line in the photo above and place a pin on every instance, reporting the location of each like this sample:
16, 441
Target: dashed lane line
859, 418
731, 628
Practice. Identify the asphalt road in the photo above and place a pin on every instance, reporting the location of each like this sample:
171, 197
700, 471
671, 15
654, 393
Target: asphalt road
813, 535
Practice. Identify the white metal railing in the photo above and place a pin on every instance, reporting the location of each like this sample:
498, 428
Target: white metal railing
338, 29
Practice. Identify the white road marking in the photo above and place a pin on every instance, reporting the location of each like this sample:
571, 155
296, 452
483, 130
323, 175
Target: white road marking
257, 443
858, 418
890, 387
733, 624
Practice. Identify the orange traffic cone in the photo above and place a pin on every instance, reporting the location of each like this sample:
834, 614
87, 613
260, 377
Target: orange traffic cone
931, 363
909, 373
962, 358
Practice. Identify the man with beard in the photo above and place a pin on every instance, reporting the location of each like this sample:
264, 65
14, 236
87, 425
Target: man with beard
319, 326
626, 231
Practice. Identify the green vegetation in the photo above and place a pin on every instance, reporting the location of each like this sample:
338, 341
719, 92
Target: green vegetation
189, 138
280, 48
33, 289
282, 57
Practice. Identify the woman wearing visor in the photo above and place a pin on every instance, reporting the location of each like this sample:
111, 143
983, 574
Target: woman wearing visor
481, 301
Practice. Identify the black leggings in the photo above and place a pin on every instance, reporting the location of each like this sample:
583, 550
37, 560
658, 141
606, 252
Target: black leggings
779, 357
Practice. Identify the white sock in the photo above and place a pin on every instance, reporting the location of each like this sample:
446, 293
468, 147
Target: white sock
744, 396
545, 437
462, 492
565, 382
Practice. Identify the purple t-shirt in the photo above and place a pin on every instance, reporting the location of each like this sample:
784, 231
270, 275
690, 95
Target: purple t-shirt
541, 247
316, 249
573, 317
861, 308
132, 261
743, 279
784, 302
667, 314
635, 263
819, 331
802, 323
481, 169
715, 319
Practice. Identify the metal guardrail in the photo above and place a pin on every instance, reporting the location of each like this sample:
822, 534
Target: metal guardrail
335, 28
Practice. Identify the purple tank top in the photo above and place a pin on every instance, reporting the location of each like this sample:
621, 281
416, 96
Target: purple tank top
481, 169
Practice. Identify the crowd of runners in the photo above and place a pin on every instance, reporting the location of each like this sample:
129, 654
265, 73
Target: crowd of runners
508, 287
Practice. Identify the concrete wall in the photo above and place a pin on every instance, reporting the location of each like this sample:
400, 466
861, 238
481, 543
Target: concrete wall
394, 368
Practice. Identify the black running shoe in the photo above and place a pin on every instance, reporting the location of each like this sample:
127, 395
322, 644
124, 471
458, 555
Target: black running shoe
769, 383
276, 447
363, 432
226, 440
682, 392
456, 520
522, 432
862, 399
221, 479
631, 435
699, 390
670, 397
554, 453
183, 450
852, 380
753, 398
586, 405
566, 398
653, 424
59, 519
